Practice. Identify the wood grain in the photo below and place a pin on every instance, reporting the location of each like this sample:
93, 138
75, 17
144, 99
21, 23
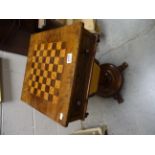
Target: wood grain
61, 110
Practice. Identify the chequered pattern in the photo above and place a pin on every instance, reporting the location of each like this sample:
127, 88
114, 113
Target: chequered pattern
46, 70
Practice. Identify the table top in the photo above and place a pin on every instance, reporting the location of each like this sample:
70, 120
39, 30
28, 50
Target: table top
51, 70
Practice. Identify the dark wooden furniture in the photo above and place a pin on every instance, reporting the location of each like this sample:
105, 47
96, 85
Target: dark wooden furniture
58, 72
15, 33
107, 80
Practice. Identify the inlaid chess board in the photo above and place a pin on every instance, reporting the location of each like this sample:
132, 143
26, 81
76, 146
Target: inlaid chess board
58, 72
46, 70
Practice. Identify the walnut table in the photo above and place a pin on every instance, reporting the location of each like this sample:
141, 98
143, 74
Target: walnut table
61, 73
58, 72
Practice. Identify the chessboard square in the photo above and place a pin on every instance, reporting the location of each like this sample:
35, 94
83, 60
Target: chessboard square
33, 59
53, 83
54, 74
39, 86
31, 71
30, 83
40, 79
34, 52
42, 46
55, 67
49, 46
38, 72
46, 96
58, 45
50, 67
62, 53
52, 53
36, 85
56, 60
33, 82
43, 59
38, 47
58, 76
40, 59
38, 92
49, 74
37, 59
57, 52
44, 53
47, 88
43, 87
48, 81
51, 91
41, 53
57, 84
48, 53
42, 94
46, 67
37, 79
35, 91
44, 80
37, 53
42, 66
45, 73
34, 71
39, 65
60, 68
32, 65
36, 65
33, 77
47, 59
41, 72
52, 60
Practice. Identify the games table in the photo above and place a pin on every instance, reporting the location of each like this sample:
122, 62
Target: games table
62, 73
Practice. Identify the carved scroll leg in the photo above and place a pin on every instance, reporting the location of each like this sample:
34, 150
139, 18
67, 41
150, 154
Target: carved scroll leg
119, 98
123, 66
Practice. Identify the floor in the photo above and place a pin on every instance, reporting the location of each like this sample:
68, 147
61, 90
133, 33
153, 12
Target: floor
132, 41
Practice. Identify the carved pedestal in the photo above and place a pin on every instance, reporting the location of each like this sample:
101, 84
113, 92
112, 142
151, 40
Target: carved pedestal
109, 81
